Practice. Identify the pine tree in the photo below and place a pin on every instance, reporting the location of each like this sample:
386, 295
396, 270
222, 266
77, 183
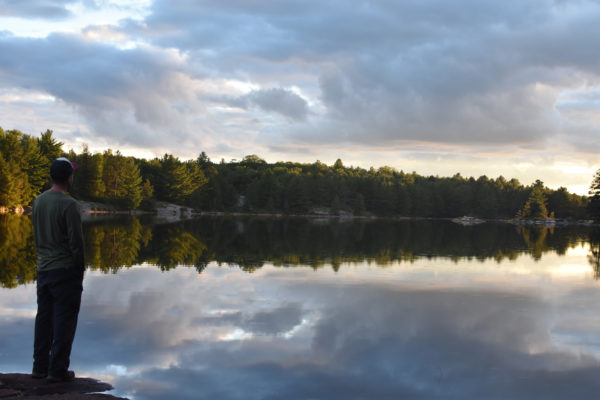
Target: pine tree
16, 148
535, 207
96, 186
49, 147
203, 161
35, 166
147, 190
111, 175
594, 202
6, 184
178, 181
130, 190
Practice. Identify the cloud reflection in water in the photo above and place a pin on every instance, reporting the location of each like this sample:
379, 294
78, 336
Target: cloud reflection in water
300, 334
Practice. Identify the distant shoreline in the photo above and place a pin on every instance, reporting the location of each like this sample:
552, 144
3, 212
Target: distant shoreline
182, 213
177, 212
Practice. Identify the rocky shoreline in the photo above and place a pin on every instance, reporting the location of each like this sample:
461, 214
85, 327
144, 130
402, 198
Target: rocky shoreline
24, 387
174, 212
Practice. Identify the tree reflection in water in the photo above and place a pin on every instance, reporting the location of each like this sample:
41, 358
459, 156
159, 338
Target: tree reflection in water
250, 242
17, 251
111, 245
594, 252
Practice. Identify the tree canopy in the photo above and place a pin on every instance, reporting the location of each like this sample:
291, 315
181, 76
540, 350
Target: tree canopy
254, 185
594, 202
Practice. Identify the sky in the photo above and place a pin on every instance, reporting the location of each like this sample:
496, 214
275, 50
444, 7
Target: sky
492, 88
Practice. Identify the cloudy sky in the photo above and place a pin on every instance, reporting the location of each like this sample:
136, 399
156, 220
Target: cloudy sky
506, 88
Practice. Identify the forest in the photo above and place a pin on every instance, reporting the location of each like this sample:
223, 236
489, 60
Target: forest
252, 185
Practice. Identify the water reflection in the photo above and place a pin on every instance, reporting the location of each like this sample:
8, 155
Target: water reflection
443, 320
115, 243
110, 246
295, 334
594, 253
17, 251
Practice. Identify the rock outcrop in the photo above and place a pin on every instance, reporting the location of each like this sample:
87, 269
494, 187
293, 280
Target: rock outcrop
24, 387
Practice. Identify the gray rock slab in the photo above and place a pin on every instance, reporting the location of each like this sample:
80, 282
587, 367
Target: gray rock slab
23, 386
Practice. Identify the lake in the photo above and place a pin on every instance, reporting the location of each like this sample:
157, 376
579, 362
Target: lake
293, 308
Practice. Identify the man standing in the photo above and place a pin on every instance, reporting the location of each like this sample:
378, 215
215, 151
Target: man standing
59, 245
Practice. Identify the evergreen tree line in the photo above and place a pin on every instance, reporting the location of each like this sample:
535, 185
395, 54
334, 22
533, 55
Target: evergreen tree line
253, 185
24, 166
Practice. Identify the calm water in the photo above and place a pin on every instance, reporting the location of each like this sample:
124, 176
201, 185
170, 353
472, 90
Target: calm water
217, 308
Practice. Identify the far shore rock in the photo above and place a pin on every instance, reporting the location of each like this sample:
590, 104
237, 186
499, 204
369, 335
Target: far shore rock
23, 386
169, 212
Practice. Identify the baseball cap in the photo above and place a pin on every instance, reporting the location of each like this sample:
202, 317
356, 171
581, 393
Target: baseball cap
62, 168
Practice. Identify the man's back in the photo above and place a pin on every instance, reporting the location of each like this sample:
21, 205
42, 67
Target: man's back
59, 244
57, 231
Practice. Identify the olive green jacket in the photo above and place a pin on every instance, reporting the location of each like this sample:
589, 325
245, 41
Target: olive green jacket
57, 231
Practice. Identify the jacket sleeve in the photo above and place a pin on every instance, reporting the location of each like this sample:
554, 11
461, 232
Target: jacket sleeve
75, 233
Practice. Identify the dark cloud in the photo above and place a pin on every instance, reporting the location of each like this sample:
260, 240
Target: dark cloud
277, 100
391, 71
43, 9
281, 101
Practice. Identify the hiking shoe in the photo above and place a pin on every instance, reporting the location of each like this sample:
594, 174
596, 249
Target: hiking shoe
38, 374
68, 376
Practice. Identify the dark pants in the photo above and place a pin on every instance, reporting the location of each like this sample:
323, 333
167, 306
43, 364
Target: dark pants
58, 299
